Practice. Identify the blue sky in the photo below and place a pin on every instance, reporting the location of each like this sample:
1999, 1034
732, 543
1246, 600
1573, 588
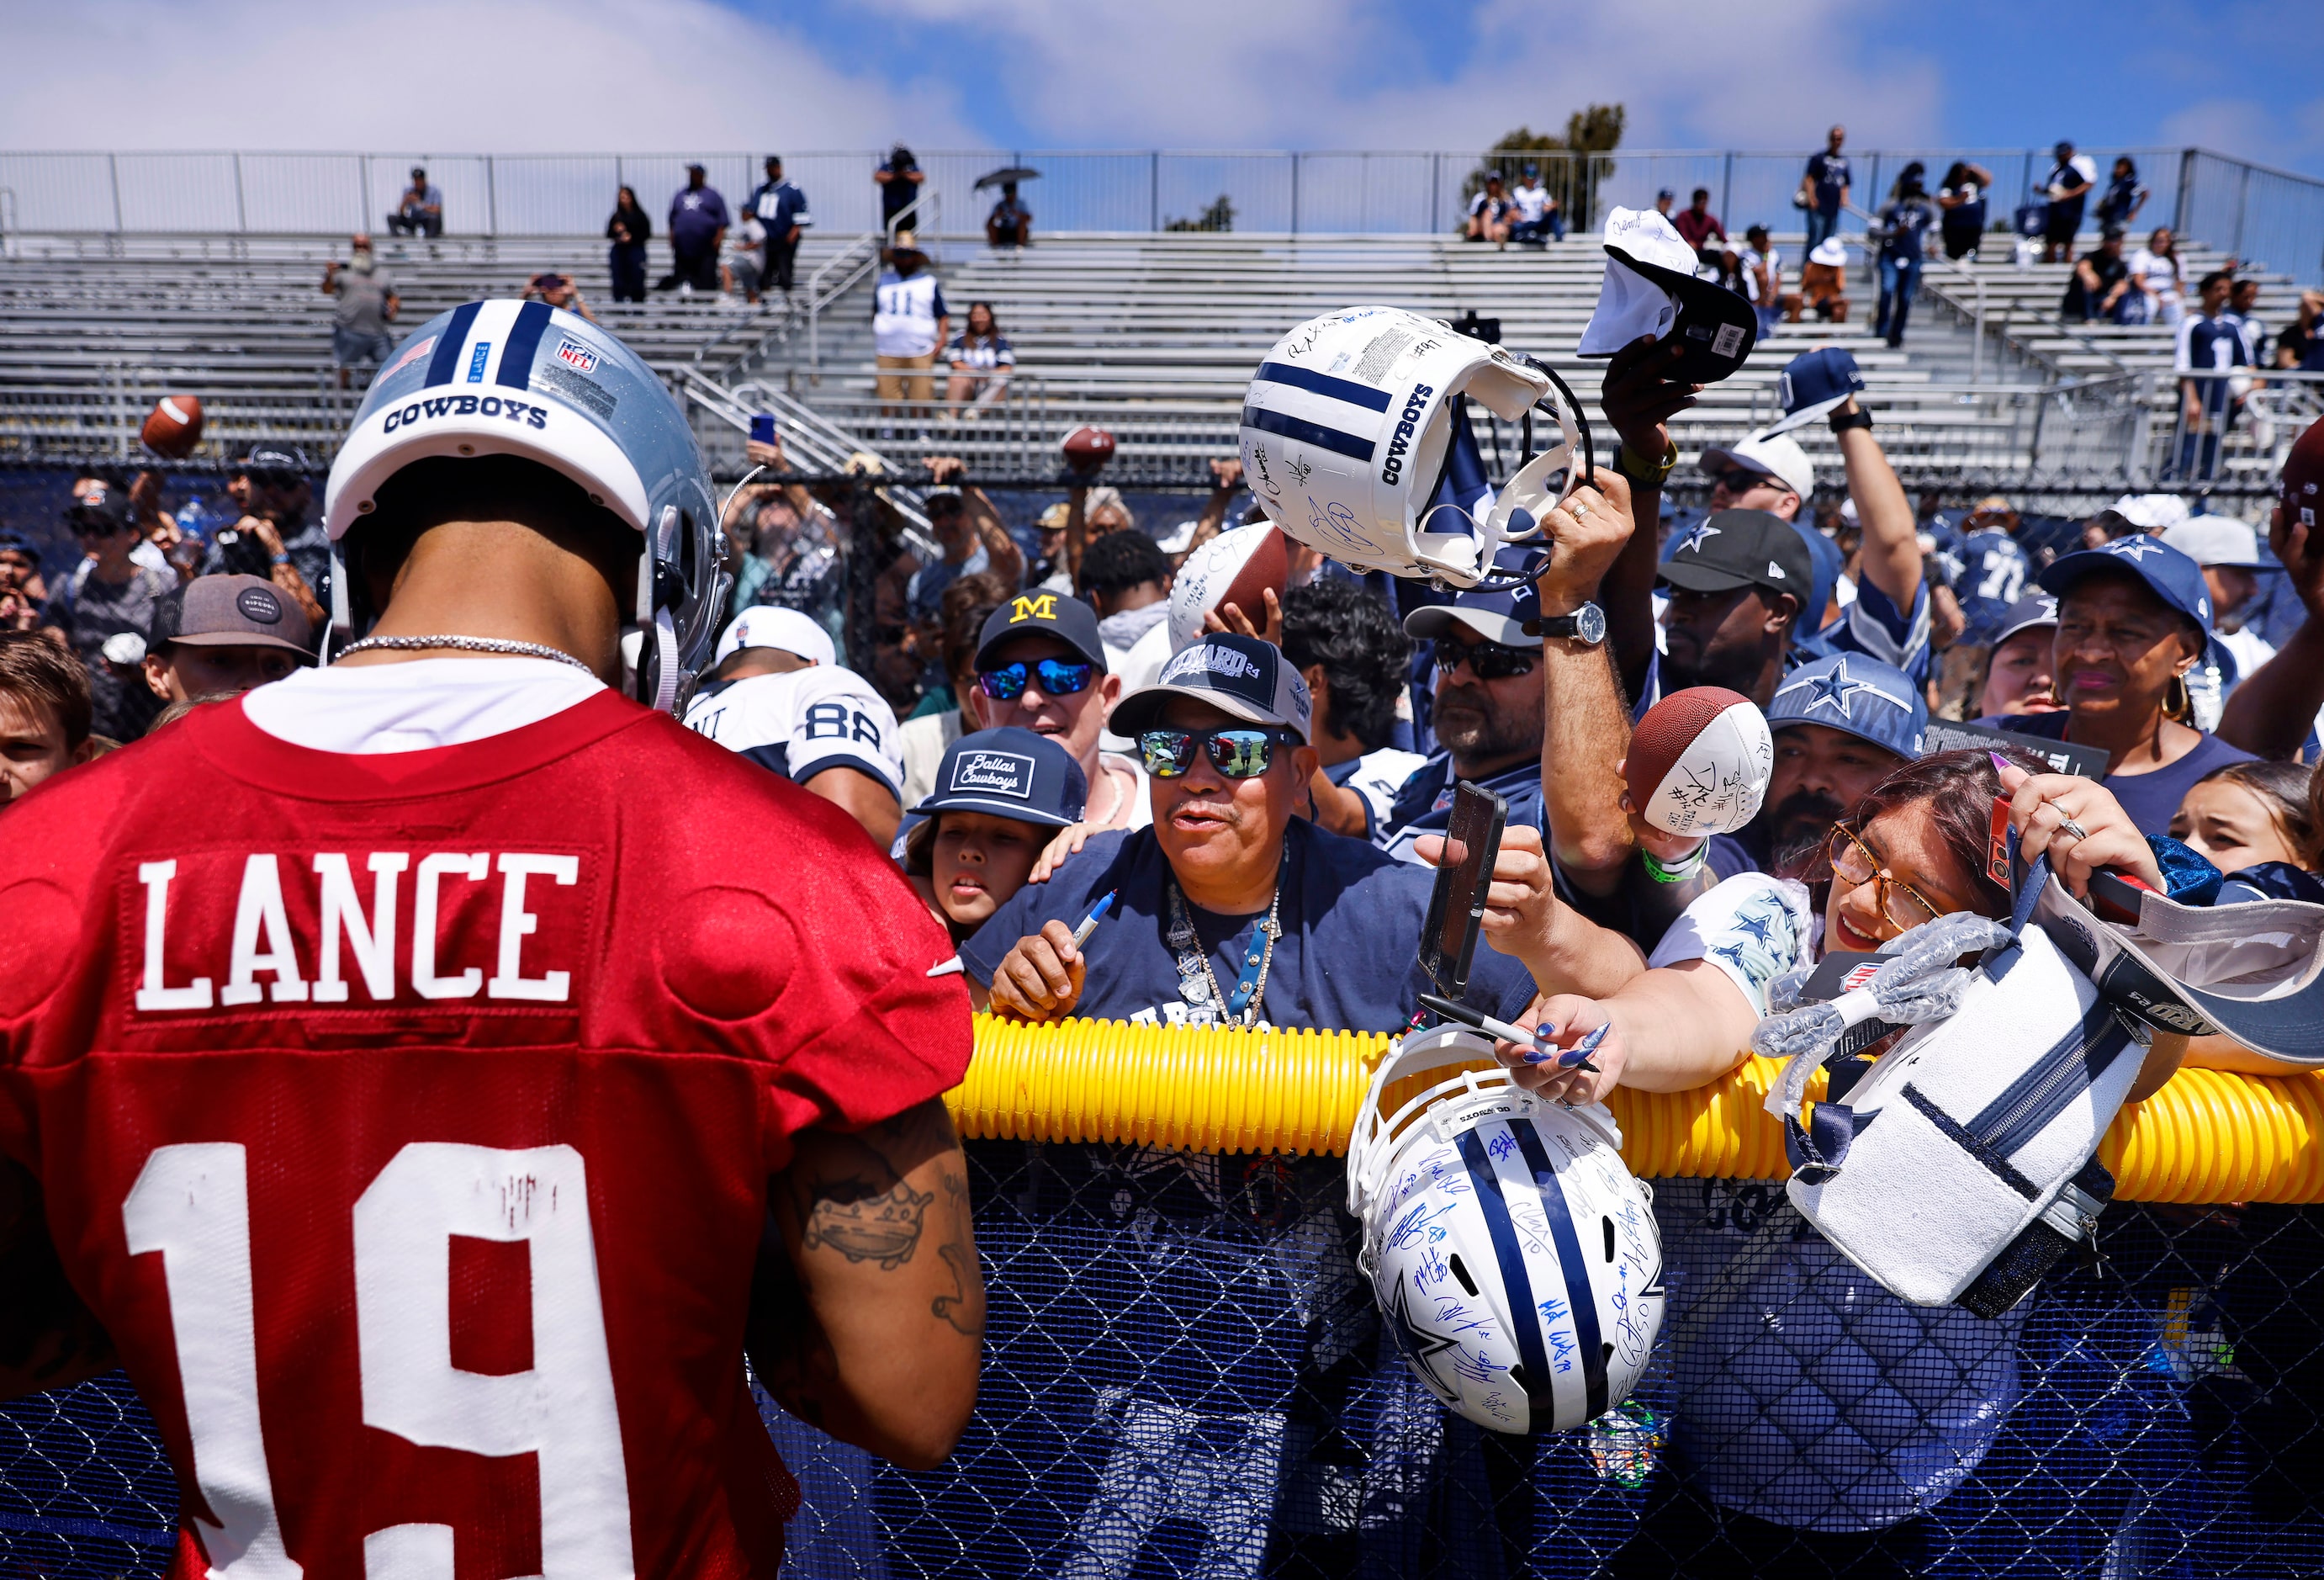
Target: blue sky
1348, 74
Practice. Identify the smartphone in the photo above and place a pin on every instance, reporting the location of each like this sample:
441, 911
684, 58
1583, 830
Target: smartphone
1456, 906
762, 427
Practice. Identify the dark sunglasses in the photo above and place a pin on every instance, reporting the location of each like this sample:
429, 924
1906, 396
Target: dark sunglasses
1487, 661
1736, 480
1238, 751
1059, 678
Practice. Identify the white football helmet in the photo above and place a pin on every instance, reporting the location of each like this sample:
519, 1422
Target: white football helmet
1515, 1259
1356, 439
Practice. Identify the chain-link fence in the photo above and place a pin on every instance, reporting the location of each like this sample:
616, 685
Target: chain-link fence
1185, 1376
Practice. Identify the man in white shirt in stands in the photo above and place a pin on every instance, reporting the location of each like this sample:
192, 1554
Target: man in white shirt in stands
777, 696
909, 321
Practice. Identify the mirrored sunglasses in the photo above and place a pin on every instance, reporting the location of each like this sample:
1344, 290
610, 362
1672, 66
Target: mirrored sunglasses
1059, 678
1237, 752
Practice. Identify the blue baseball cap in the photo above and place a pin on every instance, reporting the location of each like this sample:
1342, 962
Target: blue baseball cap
1814, 383
1511, 617
1858, 696
1010, 773
2174, 578
2032, 610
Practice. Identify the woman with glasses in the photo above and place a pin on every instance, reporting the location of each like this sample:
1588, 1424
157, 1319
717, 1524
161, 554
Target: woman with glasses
2134, 623
1818, 1418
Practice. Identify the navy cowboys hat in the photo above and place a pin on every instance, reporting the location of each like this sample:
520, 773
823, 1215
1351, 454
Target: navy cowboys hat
1857, 695
1036, 612
1010, 773
2173, 578
1815, 382
1240, 675
2034, 610
1731, 549
1511, 617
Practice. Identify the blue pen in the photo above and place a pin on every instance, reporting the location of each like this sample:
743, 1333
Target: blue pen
1096, 915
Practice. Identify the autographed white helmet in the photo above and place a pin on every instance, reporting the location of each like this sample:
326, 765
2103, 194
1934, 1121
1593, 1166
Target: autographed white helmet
1356, 439
1515, 1259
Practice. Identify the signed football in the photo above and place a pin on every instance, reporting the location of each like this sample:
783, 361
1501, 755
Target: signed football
1087, 450
1700, 761
174, 427
1236, 567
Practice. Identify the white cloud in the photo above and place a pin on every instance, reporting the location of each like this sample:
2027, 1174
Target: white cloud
492, 76
2248, 129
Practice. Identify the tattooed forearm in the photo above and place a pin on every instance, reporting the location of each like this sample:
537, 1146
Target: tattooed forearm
964, 1308
850, 1197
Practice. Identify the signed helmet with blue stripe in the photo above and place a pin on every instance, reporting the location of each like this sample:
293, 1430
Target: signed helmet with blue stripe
1357, 441
524, 379
1516, 1260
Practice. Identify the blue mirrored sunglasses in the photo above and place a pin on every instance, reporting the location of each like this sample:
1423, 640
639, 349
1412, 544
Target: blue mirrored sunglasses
1059, 678
1237, 752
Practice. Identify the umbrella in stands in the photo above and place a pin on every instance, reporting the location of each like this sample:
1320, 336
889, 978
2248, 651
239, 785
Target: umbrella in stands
1008, 173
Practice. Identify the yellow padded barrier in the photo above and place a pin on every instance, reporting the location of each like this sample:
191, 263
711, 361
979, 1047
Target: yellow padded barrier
2208, 1136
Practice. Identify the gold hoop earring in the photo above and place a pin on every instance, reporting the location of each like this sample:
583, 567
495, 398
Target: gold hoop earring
2178, 701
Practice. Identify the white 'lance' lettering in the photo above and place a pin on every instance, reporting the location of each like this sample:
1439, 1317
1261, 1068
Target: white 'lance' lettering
516, 921
371, 943
434, 869
260, 910
154, 995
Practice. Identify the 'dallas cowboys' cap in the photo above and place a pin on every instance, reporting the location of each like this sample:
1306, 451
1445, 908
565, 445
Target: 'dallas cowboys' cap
1010, 773
1857, 695
2172, 576
1239, 675
1731, 549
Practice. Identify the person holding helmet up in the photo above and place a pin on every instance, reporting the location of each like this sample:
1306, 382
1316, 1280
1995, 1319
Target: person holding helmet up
560, 993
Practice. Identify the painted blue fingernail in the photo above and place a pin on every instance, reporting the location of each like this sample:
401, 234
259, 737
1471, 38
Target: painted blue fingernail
1572, 1057
1536, 1056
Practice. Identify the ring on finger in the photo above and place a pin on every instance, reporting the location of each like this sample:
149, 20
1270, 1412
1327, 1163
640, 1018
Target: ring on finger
2073, 829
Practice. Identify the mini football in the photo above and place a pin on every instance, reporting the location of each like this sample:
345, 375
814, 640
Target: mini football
174, 427
1236, 567
1087, 450
1700, 761
2300, 490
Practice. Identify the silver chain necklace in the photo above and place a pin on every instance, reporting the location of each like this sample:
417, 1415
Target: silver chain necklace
481, 644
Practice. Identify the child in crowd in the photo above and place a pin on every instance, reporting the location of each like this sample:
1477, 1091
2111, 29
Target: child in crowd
2256, 815
1001, 797
44, 712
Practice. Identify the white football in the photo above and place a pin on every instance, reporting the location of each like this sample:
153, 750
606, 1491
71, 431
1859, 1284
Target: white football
1237, 567
1700, 761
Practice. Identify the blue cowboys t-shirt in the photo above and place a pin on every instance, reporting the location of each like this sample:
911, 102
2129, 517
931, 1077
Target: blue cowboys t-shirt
1873, 626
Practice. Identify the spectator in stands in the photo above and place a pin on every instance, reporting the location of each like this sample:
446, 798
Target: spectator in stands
968, 531
781, 210
626, 235
1763, 278
1126, 578
1231, 908
910, 322
558, 290
159, 528
1993, 567
105, 611
1906, 222
1353, 653
2296, 344
1010, 223
2134, 619
1697, 224
1824, 284
22, 589
2250, 813
697, 230
741, 264
1049, 570
1041, 666
2068, 187
925, 738
2211, 343
1664, 200
367, 304
221, 636
1824, 188
2099, 284
1826, 1454
2119, 204
2020, 673
1090, 513
2154, 275
783, 547
999, 799
901, 179
46, 713
1538, 216
420, 210
1962, 197
2243, 305
981, 360
272, 537
1489, 213
778, 695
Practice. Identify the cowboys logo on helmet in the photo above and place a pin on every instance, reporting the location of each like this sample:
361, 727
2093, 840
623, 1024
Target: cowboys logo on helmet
1516, 1260
525, 379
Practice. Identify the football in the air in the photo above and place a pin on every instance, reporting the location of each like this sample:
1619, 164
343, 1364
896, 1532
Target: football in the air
2300, 490
174, 427
1087, 450
1700, 761
1234, 567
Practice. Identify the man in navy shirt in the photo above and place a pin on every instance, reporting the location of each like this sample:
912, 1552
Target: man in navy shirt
2209, 341
781, 207
1231, 909
1905, 224
697, 228
1824, 188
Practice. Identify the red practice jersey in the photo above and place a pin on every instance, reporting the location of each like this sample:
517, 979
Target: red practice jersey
408, 1119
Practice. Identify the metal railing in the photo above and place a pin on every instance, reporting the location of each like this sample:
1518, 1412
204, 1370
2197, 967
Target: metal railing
2251, 210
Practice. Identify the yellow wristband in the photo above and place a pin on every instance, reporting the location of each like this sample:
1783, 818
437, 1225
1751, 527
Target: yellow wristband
1648, 473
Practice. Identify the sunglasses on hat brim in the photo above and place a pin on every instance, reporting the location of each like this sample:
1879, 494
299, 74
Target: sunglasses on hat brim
1236, 751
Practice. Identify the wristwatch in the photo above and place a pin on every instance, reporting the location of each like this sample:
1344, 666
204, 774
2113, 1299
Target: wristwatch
1586, 624
1840, 422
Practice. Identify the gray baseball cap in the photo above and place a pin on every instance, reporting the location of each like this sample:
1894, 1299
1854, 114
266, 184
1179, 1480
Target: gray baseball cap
234, 611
